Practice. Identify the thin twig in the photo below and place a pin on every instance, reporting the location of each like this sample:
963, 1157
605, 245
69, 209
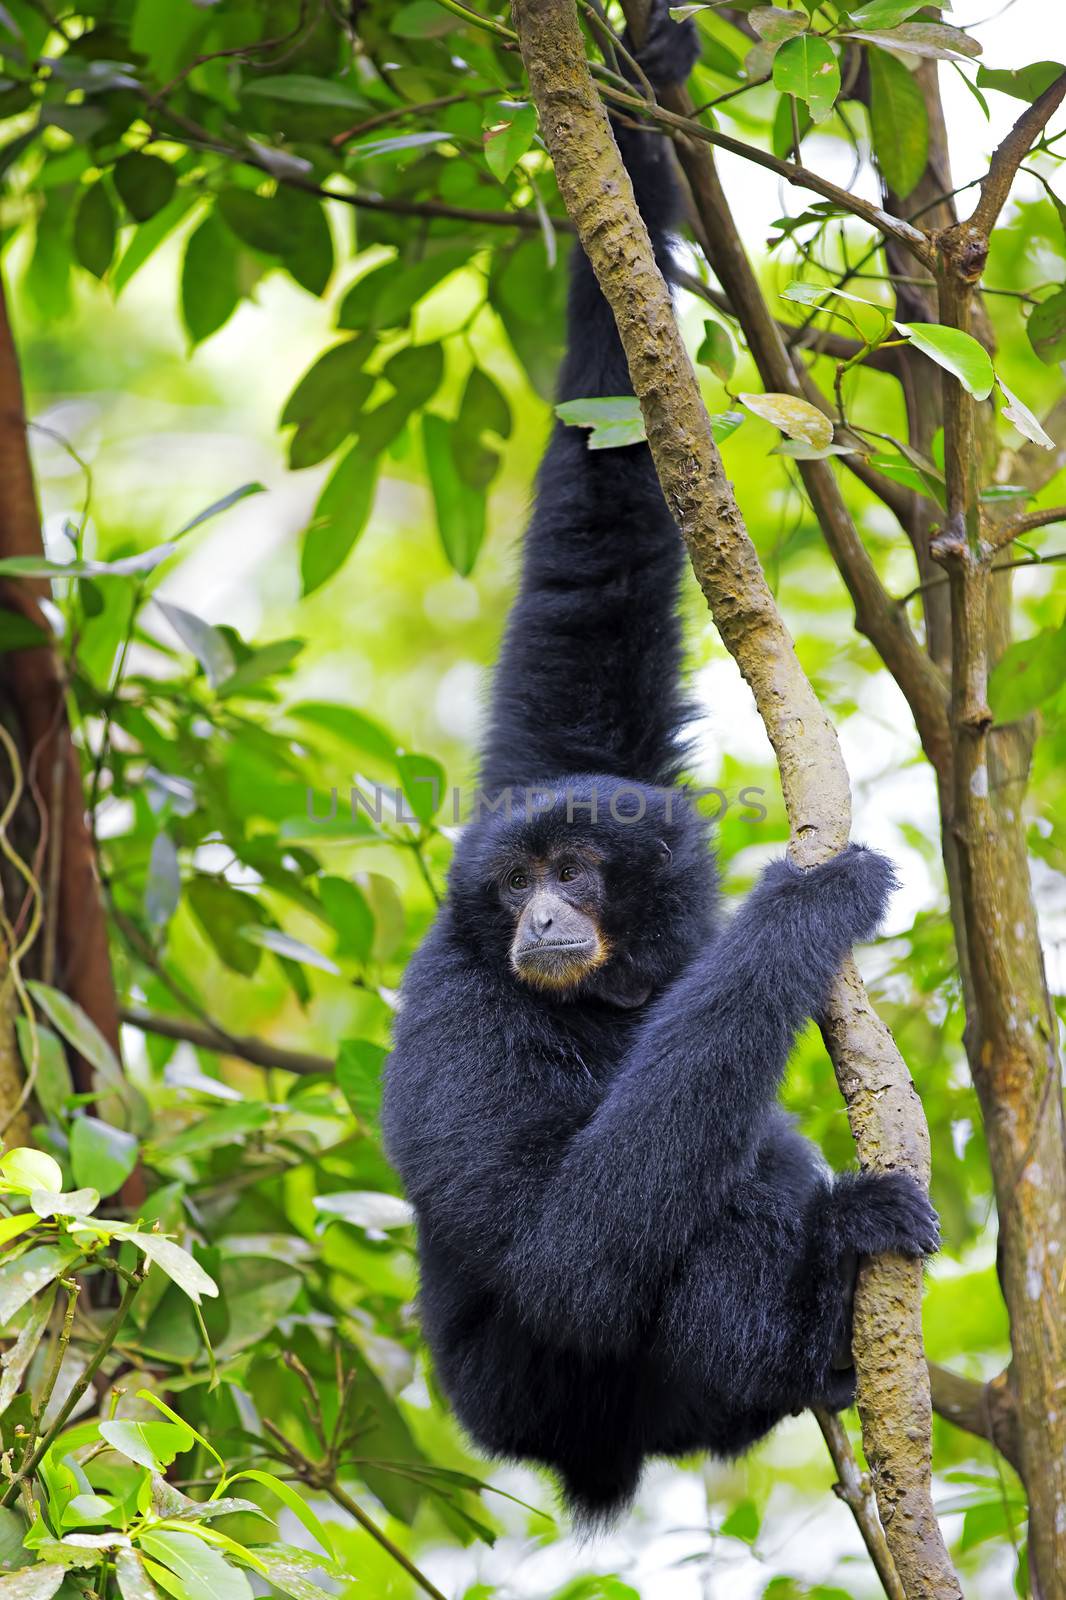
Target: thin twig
312, 1473
107, 1339
210, 1036
853, 1487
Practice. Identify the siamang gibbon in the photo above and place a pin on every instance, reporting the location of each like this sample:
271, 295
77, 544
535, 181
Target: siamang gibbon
626, 1250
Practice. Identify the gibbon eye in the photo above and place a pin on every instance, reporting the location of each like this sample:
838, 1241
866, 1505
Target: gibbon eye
518, 880
568, 874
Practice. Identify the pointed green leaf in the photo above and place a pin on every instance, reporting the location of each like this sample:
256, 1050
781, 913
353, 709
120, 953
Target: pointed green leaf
957, 352
807, 68
899, 122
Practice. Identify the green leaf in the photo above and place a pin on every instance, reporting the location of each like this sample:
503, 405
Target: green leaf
807, 68
884, 13
367, 1208
1027, 674
341, 514
202, 1573
149, 236
269, 661
102, 1157
24, 1170
369, 149
615, 420
899, 122
423, 781
177, 1263
509, 131
19, 633
330, 382
151, 1444
15, 1362
934, 39
957, 352
133, 1580
798, 418
422, 19
304, 90
254, 1294
54, 1085
210, 279
39, 567
207, 643
1047, 328
79, 1030
416, 372
223, 913
359, 1068
354, 727
39, 1582
773, 25
386, 297
162, 888
282, 944
94, 230
12, 1227
460, 509
74, 1203
218, 506
484, 407
717, 351
290, 1499
145, 184
1023, 83
348, 913
28, 1274
742, 1522
161, 1405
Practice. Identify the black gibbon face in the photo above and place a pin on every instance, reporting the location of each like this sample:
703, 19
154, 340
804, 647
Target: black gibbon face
555, 902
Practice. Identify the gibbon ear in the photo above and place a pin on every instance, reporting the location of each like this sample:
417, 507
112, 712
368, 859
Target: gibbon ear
666, 855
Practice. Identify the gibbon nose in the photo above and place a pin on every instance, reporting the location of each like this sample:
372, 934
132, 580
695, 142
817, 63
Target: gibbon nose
541, 919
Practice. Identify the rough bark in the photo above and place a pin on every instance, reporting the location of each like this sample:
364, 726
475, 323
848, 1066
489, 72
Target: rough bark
37, 691
885, 1113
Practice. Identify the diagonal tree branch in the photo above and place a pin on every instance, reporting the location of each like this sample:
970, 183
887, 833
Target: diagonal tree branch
1009, 155
885, 1113
876, 614
987, 1410
209, 1036
1018, 527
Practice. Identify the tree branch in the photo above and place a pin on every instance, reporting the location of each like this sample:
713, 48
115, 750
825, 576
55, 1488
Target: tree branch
985, 1409
876, 614
208, 1036
1009, 155
818, 341
913, 239
853, 1487
1018, 527
885, 1112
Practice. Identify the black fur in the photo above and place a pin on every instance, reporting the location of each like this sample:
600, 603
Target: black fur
625, 1248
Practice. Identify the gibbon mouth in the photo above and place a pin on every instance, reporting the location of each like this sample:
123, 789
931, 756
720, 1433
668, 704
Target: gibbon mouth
556, 961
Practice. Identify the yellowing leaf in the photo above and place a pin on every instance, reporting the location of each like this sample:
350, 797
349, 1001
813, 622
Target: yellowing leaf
798, 418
